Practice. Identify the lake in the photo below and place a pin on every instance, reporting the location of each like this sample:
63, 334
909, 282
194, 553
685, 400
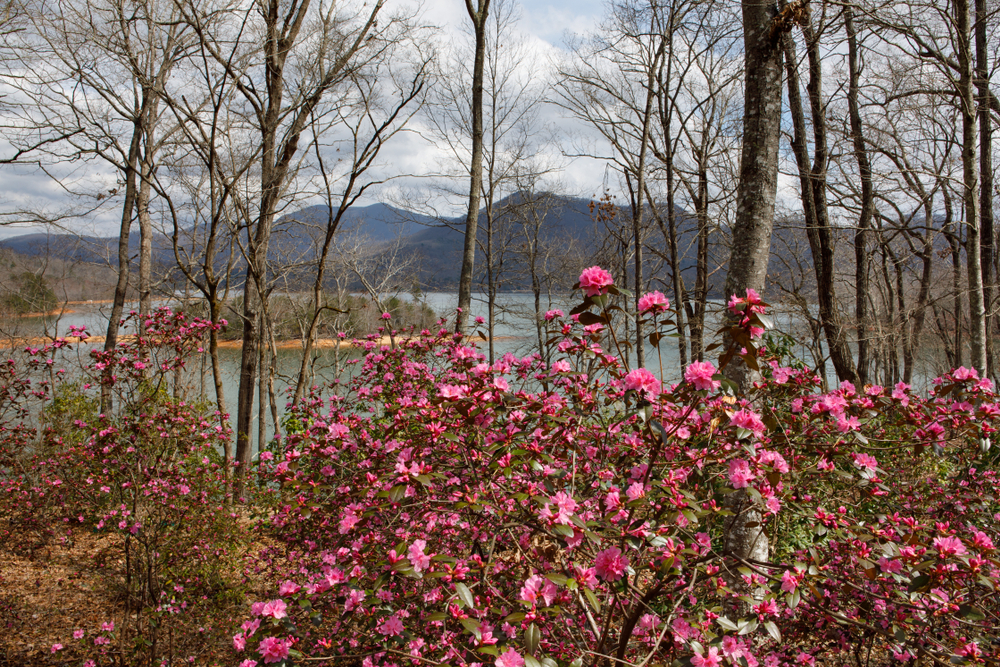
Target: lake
514, 332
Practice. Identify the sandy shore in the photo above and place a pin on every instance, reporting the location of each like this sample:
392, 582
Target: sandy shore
289, 344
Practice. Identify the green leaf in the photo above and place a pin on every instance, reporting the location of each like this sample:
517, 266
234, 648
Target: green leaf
531, 662
772, 630
793, 599
970, 613
726, 624
471, 626
592, 599
436, 616
397, 492
748, 626
532, 636
557, 579
465, 595
919, 582
490, 650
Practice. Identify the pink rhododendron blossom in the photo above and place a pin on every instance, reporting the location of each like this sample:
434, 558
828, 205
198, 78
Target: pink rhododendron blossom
643, 381
553, 314
865, 461
274, 609
700, 374
595, 281
288, 587
610, 564
789, 582
739, 474
561, 366
653, 302
749, 420
564, 506
391, 626
949, 546
418, 558
273, 649
510, 658
710, 659
737, 304
239, 642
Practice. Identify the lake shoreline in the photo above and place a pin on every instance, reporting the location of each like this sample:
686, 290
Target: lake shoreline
285, 344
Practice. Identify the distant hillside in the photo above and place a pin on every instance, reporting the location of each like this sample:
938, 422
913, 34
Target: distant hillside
566, 228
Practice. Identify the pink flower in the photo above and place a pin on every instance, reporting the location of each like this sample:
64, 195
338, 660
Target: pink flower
391, 626
865, 461
418, 558
553, 314
565, 507
273, 649
700, 374
56, 648
711, 659
274, 609
962, 373
610, 564
737, 304
537, 587
288, 588
739, 474
595, 281
510, 658
78, 634
789, 582
239, 642
749, 420
948, 546
653, 302
643, 381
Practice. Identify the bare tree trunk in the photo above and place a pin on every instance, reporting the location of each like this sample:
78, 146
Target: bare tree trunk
478, 15
812, 185
147, 168
121, 287
867, 198
744, 537
986, 174
970, 194
954, 236
759, 161
262, 395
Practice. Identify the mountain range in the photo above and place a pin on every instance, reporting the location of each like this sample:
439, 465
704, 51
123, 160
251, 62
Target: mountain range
566, 226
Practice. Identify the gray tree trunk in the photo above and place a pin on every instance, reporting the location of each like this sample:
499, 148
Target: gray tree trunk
478, 15
756, 190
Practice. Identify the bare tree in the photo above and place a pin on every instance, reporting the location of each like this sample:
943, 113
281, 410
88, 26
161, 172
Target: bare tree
478, 14
283, 62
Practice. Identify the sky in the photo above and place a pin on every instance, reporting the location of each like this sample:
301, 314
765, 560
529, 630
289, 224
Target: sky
545, 25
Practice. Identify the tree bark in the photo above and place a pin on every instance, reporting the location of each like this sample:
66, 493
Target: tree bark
478, 16
970, 194
986, 175
751, 235
121, 286
812, 187
861, 281
752, 238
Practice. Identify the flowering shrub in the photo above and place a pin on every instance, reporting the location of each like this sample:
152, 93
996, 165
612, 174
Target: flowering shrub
145, 477
444, 510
